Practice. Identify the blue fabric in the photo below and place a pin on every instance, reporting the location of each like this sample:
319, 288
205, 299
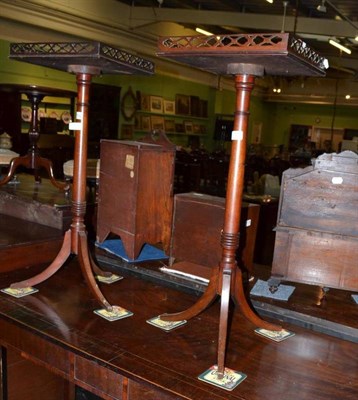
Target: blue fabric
148, 252
262, 289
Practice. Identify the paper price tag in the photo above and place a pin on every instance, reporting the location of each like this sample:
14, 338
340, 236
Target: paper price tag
237, 135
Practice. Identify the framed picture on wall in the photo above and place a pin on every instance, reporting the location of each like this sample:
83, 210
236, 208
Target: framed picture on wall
127, 132
179, 127
169, 125
157, 123
182, 104
156, 104
145, 102
188, 127
145, 123
169, 106
196, 129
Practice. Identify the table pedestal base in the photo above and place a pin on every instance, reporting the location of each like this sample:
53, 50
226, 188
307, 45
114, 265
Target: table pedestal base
226, 279
33, 160
75, 240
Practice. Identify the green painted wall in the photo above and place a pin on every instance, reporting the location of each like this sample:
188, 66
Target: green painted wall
283, 115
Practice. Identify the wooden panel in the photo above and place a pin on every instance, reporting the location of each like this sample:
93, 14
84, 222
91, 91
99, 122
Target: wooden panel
97, 379
43, 204
317, 227
318, 204
315, 258
322, 197
198, 221
32, 382
24, 243
140, 391
33, 349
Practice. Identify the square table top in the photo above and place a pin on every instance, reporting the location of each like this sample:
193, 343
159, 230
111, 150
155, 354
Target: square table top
276, 54
65, 55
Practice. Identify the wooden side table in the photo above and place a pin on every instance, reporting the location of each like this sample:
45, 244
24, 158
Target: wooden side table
244, 56
33, 160
85, 60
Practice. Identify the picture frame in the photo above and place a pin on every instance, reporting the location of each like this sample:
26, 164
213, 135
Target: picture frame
145, 123
156, 104
197, 129
169, 107
195, 106
188, 127
179, 127
182, 104
127, 131
169, 125
145, 102
203, 129
157, 122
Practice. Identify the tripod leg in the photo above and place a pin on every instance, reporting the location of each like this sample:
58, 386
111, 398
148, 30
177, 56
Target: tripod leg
47, 164
205, 300
83, 256
56, 264
224, 313
14, 164
240, 300
96, 269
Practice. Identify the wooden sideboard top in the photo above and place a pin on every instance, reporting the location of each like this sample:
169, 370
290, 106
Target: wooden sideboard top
57, 327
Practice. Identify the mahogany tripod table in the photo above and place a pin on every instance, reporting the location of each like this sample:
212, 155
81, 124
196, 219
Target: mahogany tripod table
244, 56
85, 60
33, 160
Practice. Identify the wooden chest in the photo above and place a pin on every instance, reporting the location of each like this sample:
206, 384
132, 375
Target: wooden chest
198, 221
317, 224
135, 198
39, 203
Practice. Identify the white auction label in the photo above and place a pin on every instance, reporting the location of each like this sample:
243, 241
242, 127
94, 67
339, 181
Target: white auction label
237, 135
337, 180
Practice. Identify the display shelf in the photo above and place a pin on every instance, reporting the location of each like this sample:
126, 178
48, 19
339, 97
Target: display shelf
172, 124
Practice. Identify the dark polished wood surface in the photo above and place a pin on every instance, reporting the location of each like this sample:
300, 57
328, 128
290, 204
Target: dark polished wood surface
334, 305
24, 243
34, 202
57, 328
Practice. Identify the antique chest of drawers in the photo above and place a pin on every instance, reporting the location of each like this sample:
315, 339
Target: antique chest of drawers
317, 224
135, 198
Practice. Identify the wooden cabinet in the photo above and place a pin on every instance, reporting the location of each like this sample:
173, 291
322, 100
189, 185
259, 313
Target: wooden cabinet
198, 221
317, 224
135, 194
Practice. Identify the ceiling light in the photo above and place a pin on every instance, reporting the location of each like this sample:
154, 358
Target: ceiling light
204, 32
348, 96
356, 38
321, 7
270, 1
339, 46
